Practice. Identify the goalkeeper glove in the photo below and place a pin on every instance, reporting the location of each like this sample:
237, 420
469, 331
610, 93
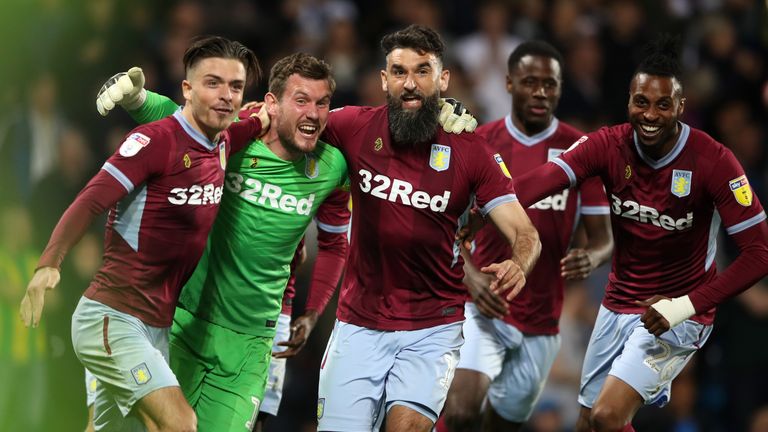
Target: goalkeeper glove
454, 117
125, 89
675, 310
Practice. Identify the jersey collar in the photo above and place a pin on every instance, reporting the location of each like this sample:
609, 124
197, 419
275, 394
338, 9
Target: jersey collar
676, 150
526, 140
192, 132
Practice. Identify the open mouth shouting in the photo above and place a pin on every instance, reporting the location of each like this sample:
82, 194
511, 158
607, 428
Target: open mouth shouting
411, 101
308, 130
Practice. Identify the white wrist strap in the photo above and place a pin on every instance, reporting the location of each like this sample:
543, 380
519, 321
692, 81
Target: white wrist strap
675, 310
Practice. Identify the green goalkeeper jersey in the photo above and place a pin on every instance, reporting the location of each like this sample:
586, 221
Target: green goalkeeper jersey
265, 209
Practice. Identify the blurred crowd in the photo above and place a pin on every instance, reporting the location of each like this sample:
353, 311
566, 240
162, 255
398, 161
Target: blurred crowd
57, 53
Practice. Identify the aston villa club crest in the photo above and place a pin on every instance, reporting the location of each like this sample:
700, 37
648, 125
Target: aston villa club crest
681, 183
311, 167
378, 144
141, 374
741, 190
440, 157
223, 155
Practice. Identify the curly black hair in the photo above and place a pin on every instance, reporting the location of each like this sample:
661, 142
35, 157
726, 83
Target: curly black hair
661, 57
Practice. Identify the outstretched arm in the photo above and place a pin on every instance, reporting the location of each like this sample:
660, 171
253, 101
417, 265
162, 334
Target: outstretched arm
101, 193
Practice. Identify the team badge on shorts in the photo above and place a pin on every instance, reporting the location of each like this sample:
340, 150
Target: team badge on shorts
132, 144
320, 408
311, 167
741, 190
681, 183
440, 157
141, 374
223, 155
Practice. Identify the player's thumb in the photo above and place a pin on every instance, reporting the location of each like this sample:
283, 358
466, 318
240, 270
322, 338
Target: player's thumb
136, 74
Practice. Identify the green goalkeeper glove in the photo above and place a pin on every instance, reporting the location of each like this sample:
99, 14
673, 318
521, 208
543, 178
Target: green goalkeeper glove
454, 117
125, 89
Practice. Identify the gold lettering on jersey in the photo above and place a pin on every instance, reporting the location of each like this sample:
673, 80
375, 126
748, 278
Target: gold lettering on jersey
254, 162
187, 160
311, 167
378, 144
741, 190
681, 183
440, 157
627, 172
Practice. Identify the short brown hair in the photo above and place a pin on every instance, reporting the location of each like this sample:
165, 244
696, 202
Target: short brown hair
303, 64
416, 37
216, 46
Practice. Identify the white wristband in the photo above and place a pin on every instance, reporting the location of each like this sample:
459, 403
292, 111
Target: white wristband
136, 102
675, 310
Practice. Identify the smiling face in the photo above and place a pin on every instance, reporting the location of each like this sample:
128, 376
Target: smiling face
214, 93
655, 106
535, 85
299, 116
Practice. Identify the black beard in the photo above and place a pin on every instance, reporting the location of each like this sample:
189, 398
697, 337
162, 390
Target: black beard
412, 127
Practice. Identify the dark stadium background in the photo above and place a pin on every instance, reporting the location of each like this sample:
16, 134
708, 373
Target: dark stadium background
57, 53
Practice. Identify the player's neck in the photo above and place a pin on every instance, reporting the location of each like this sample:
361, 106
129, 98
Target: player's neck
662, 149
530, 129
211, 134
273, 143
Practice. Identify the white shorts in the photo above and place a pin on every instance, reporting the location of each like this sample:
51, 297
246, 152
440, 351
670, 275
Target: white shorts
365, 372
517, 364
622, 347
128, 357
273, 394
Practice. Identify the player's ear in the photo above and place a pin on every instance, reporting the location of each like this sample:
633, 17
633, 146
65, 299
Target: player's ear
271, 102
681, 109
186, 90
384, 86
445, 77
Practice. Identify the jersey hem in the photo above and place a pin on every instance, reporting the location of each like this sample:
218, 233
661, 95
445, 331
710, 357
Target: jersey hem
401, 324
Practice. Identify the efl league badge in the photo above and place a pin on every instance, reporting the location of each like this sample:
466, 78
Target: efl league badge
440, 158
141, 374
681, 183
223, 155
311, 168
133, 144
741, 190
502, 165
320, 408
